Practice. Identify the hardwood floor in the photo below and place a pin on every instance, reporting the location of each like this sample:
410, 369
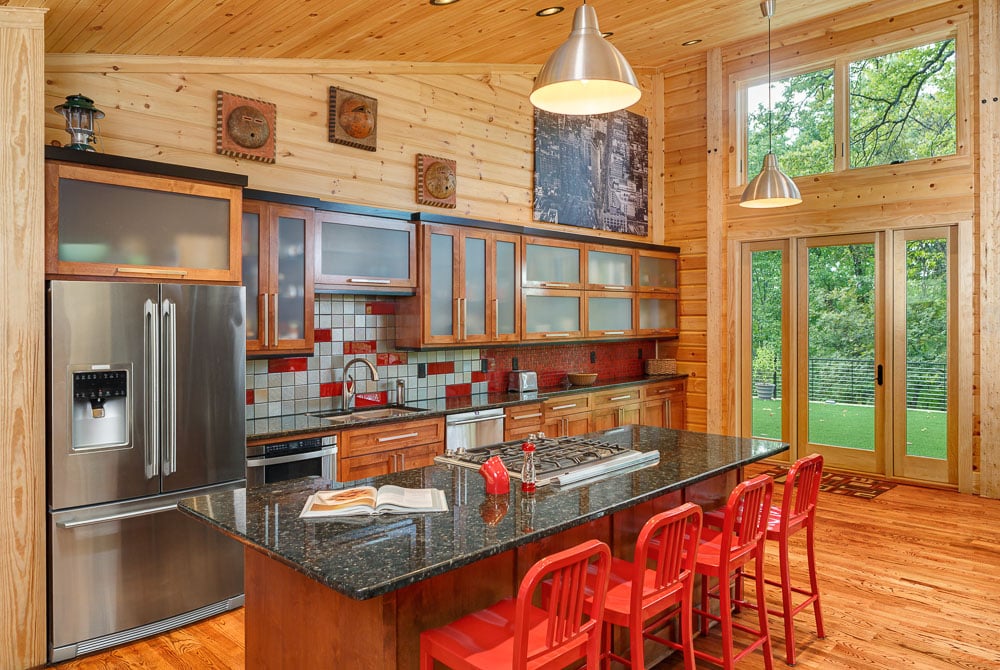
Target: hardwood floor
910, 579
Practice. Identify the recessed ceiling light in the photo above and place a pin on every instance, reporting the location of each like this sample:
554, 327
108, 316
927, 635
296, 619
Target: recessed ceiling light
549, 11
690, 43
443, 2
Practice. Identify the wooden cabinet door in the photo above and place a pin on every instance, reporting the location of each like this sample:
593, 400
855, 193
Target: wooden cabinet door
553, 264
610, 268
552, 315
391, 437
417, 457
440, 286
607, 418
521, 421
665, 404
368, 254
578, 424
361, 467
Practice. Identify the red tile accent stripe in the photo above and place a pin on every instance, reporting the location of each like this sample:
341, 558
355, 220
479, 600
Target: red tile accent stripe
380, 308
453, 390
479, 376
249, 396
391, 358
330, 390
323, 335
287, 365
369, 399
441, 368
360, 347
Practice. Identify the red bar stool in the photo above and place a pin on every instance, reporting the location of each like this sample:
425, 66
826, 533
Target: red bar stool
516, 635
723, 556
636, 593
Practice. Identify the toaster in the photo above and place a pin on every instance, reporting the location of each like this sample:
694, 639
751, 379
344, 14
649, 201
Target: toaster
522, 380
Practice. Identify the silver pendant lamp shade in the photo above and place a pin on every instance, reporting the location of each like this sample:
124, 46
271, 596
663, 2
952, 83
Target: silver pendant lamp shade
772, 187
586, 74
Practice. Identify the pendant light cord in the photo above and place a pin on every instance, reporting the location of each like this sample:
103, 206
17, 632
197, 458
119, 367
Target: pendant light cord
770, 146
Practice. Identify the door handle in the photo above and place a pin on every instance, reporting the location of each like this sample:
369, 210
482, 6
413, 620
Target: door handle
878, 374
169, 328
152, 376
262, 300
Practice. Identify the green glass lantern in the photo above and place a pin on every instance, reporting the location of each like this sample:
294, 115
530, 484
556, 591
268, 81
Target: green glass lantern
79, 112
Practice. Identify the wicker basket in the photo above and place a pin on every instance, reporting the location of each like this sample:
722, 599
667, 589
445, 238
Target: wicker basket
661, 366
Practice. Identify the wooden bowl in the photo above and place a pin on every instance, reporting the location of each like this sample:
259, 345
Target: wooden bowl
582, 378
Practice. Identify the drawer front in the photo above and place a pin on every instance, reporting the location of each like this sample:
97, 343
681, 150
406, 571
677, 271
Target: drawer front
620, 396
362, 467
653, 391
418, 457
390, 437
523, 418
566, 405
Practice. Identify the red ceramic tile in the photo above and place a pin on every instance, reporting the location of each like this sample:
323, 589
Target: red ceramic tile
369, 399
380, 308
360, 347
330, 390
454, 390
323, 335
391, 358
479, 376
441, 368
287, 365
249, 396
613, 360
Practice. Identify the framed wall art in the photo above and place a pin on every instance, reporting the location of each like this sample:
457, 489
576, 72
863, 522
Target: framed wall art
353, 119
436, 184
592, 171
244, 127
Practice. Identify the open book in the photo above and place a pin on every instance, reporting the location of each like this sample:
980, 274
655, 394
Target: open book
369, 500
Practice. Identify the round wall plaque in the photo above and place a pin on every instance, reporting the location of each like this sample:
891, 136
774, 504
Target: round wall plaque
248, 127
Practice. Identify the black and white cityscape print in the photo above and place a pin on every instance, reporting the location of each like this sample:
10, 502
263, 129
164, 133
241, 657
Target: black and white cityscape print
592, 171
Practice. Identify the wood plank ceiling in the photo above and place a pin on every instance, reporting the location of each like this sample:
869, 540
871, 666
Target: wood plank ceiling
648, 32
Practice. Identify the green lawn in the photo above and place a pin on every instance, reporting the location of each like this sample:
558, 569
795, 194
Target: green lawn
851, 426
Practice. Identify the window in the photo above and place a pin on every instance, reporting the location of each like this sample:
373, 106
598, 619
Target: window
900, 106
903, 105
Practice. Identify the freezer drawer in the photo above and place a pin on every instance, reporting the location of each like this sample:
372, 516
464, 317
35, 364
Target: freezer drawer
116, 567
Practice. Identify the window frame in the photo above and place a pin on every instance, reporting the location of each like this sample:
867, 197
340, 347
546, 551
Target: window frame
839, 57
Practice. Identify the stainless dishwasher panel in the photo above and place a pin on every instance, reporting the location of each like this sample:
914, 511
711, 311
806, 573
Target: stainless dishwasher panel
125, 565
473, 429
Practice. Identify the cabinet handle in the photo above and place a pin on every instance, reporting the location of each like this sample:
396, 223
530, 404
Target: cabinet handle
556, 334
666, 414
358, 280
565, 426
522, 417
614, 332
552, 284
621, 416
402, 436
151, 271
262, 300
559, 407
464, 306
402, 461
621, 397
614, 288
276, 320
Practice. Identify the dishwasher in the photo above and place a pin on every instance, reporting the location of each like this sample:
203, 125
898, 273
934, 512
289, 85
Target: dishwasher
469, 430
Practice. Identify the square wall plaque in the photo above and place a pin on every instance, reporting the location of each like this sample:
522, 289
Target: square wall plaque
244, 127
435, 181
353, 119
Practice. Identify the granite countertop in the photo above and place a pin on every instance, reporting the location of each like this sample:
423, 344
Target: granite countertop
367, 556
289, 425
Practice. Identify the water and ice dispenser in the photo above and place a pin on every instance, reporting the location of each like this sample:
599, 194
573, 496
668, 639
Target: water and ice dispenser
100, 409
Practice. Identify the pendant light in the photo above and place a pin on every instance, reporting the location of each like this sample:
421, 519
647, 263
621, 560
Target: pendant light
586, 74
772, 187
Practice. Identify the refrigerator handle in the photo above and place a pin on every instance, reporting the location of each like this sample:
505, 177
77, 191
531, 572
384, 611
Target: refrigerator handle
170, 387
151, 374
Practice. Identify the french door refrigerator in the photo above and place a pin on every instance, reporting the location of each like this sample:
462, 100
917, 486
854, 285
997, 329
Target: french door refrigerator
146, 406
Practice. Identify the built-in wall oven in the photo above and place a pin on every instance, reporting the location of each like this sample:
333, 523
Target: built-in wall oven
268, 463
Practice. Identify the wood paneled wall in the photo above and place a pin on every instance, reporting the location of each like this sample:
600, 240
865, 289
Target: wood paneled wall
164, 109
22, 322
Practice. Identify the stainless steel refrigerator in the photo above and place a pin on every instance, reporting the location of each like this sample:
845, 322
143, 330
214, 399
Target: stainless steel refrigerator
146, 406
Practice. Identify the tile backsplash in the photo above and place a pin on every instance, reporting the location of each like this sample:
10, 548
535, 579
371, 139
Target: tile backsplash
353, 326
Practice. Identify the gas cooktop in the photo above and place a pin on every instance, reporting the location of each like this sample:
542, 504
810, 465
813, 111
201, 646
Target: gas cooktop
558, 460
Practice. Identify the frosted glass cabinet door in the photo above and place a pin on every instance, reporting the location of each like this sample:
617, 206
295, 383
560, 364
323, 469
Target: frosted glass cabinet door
552, 315
610, 315
609, 270
366, 253
506, 288
658, 316
473, 308
251, 272
123, 224
291, 277
551, 264
657, 271
442, 287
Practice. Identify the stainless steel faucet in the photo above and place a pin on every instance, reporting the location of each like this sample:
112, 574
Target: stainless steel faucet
348, 392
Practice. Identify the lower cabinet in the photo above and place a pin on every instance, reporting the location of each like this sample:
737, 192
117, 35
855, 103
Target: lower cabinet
567, 415
520, 421
619, 407
379, 450
664, 405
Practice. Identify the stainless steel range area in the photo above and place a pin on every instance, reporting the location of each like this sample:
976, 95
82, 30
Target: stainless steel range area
558, 460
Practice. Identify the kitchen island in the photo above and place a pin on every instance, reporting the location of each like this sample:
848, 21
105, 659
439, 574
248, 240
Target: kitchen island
356, 592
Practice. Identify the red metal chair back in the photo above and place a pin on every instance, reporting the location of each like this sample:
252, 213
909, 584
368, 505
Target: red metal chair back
745, 522
798, 502
571, 622
672, 538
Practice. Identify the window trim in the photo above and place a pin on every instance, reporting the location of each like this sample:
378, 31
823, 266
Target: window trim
839, 56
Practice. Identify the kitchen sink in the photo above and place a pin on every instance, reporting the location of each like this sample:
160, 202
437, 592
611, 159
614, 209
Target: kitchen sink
339, 416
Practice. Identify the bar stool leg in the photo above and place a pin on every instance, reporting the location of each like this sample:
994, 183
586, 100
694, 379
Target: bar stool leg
762, 609
786, 600
814, 585
726, 624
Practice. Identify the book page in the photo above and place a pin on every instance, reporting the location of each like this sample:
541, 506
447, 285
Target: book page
359, 500
393, 498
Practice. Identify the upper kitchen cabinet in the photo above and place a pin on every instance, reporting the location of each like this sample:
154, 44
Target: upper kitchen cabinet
610, 268
364, 254
657, 271
106, 221
469, 289
278, 274
552, 264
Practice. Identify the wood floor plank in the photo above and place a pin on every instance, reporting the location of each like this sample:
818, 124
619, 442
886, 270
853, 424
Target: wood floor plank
910, 579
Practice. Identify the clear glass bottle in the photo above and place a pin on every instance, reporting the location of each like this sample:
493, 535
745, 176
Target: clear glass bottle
528, 467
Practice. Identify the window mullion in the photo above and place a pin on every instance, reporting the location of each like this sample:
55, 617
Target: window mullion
841, 115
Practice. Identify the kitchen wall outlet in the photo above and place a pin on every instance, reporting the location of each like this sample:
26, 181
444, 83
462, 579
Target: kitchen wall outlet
421, 370
484, 365
593, 356
513, 363
640, 354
